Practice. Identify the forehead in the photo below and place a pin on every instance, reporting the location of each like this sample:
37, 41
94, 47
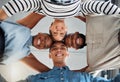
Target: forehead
58, 44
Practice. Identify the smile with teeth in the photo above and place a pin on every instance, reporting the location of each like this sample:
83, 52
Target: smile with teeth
59, 55
38, 43
78, 41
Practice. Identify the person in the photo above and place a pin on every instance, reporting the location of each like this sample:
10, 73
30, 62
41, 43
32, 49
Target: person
58, 8
75, 40
18, 40
57, 30
61, 72
103, 49
2, 43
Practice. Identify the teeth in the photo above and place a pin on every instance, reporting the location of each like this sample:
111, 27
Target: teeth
78, 41
38, 41
58, 55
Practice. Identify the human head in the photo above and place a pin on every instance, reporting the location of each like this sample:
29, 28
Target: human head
2, 42
58, 53
42, 41
58, 29
75, 40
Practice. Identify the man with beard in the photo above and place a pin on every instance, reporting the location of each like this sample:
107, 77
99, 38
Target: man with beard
102, 39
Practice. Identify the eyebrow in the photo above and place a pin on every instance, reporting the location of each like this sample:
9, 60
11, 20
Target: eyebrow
56, 46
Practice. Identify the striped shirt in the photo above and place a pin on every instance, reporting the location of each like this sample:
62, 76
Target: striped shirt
77, 8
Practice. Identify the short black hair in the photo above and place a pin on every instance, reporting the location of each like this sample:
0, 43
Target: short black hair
54, 42
2, 42
84, 41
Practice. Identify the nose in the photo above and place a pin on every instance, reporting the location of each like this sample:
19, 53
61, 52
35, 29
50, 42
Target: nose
58, 49
58, 28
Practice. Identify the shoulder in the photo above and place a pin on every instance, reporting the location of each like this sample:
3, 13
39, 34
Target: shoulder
12, 26
34, 78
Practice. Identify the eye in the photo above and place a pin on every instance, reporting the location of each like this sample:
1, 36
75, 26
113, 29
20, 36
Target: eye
54, 33
54, 48
63, 27
61, 34
63, 48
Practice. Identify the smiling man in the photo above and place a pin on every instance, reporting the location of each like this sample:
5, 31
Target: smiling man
102, 39
61, 72
18, 40
75, 40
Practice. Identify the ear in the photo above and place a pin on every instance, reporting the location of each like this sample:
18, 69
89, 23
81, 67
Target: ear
66, 29
67, 53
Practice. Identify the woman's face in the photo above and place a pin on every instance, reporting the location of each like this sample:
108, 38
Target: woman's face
58, 29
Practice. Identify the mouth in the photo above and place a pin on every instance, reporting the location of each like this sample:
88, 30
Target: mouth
38, 42
77, 41
59, 55
69, 41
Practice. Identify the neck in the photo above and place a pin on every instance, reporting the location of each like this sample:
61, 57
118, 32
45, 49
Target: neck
59, 19
59, 64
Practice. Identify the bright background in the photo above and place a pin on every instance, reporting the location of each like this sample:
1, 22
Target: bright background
77, 59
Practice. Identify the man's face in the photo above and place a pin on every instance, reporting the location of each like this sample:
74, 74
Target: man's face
74, 40
58, 52
42, 41
58, 29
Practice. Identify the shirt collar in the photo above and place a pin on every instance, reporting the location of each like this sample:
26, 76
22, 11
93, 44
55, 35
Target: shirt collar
61, 68
30, 40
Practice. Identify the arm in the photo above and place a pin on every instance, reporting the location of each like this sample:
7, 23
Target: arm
31, 20
81, 18
3, 15
32, 62
15, 6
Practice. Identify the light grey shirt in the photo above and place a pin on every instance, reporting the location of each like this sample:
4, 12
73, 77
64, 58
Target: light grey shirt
103, 48
17, 41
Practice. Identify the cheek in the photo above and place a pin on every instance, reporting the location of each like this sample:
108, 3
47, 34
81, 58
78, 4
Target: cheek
67, 54
52, 28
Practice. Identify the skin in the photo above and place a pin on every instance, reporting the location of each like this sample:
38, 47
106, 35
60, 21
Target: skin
31, 60
37, 65
58, 29
58, 54
42, 41
3, 15
74, 40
